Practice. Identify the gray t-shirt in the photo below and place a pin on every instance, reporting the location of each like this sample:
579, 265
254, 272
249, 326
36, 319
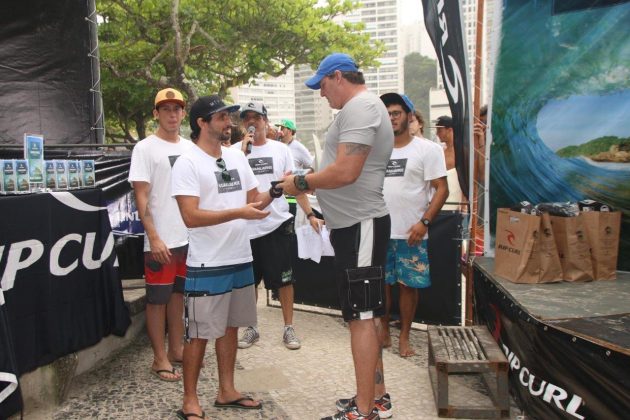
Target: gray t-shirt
362, 120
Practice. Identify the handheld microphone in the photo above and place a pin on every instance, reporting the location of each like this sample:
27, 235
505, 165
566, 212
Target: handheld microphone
251, 129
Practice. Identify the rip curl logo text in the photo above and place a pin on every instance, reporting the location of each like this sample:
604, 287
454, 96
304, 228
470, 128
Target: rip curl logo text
24, 254
510, 237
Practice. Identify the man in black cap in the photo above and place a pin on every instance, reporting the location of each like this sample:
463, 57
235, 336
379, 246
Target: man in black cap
456, 199
217, 193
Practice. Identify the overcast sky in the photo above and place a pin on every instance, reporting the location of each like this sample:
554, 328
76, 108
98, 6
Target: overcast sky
410, 11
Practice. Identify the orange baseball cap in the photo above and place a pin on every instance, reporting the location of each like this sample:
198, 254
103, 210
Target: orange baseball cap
169, 95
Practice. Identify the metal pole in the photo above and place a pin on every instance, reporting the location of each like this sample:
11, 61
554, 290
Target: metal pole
474, 231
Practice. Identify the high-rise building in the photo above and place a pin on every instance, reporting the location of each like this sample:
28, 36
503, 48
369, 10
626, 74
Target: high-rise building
277, 93
381, 24
312, 112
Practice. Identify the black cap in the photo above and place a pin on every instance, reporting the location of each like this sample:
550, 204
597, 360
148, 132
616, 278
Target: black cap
444, 121
205, 107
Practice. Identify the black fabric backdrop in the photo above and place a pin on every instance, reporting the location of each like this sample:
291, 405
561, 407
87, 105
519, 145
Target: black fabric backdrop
54, 315
10, 400
439, 304
45, 71
550, 358
444, 26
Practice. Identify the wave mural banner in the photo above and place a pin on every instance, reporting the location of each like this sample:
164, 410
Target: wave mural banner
559, 115
444, 25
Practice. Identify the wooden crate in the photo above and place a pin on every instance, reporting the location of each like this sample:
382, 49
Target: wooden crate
467, 350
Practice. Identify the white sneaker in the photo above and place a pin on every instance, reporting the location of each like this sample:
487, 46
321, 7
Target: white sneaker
249, 337
290, 339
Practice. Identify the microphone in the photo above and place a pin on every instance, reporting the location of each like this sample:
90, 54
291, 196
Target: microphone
251, 129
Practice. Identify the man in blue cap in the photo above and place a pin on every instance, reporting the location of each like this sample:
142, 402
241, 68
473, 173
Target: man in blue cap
349, 188
415, 189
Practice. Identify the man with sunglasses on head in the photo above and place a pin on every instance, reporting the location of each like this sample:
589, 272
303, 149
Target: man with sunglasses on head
165, 238
273, 238
217, 193
349, 188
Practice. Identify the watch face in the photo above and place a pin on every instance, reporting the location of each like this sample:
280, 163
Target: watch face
301, 183
425, 222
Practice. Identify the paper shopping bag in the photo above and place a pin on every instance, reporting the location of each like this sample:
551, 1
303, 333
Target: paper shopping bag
525, 249
603, 228
573, 247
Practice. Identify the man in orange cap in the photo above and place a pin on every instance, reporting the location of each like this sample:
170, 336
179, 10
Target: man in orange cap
166, 237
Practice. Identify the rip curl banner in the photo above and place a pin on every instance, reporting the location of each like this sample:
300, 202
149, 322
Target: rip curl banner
561, 101
10, 397
59, 275
444, 25
552, 373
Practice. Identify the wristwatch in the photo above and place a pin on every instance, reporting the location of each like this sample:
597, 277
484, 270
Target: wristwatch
300, 182
425, 222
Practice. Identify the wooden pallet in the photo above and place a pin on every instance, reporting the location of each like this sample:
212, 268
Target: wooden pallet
467, 350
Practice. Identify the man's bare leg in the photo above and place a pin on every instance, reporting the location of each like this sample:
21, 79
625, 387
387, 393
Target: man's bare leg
379, 374
285, 295
175, 320
365, 345
155, 315
226, 358
408, 304
193, 357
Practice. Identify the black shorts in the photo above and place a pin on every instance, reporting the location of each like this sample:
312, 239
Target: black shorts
360, 255
273, 257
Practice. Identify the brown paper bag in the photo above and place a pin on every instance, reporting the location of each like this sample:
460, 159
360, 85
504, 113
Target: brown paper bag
525, 249
603, 228
573, 247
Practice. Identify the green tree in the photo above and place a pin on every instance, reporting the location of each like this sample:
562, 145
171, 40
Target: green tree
420, 77
202, 47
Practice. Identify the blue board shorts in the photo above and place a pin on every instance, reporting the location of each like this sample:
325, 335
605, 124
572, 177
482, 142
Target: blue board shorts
408, 265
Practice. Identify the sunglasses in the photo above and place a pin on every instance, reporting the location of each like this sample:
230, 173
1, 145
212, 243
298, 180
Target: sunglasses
224, 172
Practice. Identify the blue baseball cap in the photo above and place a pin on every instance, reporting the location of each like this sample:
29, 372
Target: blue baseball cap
396, 98
335, 61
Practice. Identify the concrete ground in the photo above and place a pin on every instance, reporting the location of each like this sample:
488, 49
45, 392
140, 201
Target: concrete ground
299, 384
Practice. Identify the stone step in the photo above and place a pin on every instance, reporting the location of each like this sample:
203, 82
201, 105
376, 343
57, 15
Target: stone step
46, 387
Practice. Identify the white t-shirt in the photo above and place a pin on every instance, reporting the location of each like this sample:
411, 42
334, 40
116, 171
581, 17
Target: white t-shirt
269, 162
152, 161
302, 158
196, 174
407, 187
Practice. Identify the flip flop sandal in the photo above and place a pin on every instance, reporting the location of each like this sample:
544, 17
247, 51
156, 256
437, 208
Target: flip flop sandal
238, 403
159, 372
185, 416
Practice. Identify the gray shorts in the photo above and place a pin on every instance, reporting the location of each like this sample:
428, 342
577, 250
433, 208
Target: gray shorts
217, 298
